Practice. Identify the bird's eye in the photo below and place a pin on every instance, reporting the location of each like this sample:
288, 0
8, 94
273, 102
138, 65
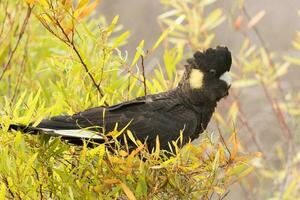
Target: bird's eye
212, 72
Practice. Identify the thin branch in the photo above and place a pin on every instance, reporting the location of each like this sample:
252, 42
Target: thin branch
7, 186
21, 73
242, 117
144, 77
72, 44
225, 195
4, 19
102, 68
40, 184
279, 114
277, 110
23, 28
223, 141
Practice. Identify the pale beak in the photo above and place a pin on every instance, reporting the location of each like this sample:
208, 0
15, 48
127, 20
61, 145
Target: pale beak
227, 78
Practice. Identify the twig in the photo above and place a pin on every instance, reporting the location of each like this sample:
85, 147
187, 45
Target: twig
128, 85
4, 19
243, 119
21, 73
40, 184
225, 195
22, 31
279, 114
102, 68
284, 184
277, 110
72, 44
223, 141
144, 77
7, 186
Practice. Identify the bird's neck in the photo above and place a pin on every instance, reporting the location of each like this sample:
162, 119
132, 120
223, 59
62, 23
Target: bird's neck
194, 97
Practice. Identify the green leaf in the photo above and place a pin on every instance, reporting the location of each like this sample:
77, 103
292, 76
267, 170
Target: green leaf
120, 40
113, 24
213, 19
178, 21
139, 52
18, 104
216, 162
242, 83
30, 162
2, 192
127, 191
141, 188
292, 60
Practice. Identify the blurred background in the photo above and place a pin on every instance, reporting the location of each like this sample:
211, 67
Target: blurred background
278, 26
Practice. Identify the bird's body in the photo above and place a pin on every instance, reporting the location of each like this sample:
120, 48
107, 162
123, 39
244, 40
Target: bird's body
163, 115
187, 108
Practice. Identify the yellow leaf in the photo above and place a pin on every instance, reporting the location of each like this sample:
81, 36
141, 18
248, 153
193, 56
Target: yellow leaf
111, 181
112, 25
245, 173
157, 148
219, 190
2, 192
67, 3
101, 153
32, 2
233, 111
222, 154
160, 39
178, 21
219, 118
30, 162
133, 153
103, 99
139, 52
114, 133
216, 162
88, 9
292, 187
131, 137
244, 83
120, 39
123, 153
293, 60
213, 19
235, 146
127, 191
82, 3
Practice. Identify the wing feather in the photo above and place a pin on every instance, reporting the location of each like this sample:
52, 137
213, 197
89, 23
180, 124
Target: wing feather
148, 119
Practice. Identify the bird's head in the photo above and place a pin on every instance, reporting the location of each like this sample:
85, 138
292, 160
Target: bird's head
207, 74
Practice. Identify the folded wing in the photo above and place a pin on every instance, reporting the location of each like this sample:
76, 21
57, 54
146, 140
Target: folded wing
146, 119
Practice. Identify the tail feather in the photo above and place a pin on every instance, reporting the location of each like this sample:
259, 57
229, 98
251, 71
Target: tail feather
75, 136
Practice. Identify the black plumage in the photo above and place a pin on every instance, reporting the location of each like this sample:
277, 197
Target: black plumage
188, 107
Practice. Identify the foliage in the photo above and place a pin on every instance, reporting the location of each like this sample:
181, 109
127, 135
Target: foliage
46, 168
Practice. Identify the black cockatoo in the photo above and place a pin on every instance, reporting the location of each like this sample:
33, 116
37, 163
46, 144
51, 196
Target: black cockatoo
187, 108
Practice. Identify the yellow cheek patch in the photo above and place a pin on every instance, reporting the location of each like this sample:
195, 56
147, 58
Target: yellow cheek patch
196, 79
